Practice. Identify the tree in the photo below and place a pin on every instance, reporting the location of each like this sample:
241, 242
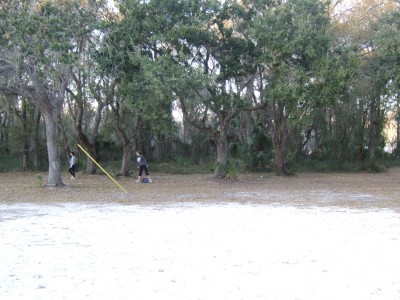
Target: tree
385, 39
91, 88
86, 115
358, 28
7, 104
132, 54
294, 41
213, 69
36, 60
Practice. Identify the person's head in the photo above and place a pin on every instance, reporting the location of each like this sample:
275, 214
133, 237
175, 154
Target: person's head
72, 153
139, 153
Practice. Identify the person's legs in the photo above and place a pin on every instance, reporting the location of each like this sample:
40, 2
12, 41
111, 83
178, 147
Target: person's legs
140, 173
147, 173
72, 172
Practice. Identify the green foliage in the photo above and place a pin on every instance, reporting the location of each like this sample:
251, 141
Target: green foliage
49, 36
40, 181
220, 58
182, 165
327, 166
107, 151
10, 163
231, 171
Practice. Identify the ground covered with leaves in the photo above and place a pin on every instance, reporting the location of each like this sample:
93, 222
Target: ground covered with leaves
350, 190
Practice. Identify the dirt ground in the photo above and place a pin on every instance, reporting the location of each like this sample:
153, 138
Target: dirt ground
349, 190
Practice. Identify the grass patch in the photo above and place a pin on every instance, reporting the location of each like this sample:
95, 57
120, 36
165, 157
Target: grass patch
177, 166
349, 166
174, 168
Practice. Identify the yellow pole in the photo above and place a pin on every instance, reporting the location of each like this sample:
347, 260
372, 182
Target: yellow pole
109, 176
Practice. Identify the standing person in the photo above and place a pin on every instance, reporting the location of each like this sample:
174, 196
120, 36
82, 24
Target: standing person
142, 165
72, 164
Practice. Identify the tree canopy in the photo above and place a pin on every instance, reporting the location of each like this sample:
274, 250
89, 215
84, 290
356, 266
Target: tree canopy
261, 85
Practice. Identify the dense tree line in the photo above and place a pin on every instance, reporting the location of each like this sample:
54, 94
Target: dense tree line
261, 84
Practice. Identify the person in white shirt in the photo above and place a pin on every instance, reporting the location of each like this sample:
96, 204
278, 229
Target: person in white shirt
142, 165
72, 164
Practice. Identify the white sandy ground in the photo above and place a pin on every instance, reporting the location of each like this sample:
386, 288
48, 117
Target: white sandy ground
197, 251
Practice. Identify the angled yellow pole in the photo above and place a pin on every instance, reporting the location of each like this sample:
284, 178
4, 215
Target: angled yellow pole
109, 176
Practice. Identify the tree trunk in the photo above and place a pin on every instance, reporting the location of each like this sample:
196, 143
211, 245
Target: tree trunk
195, 144
37, 141
279, 153
222, 153
90, 165
54, 178
126, 159
360, 129
25, 136
397, 150
245, 126
89, 141
280, 134
373, 139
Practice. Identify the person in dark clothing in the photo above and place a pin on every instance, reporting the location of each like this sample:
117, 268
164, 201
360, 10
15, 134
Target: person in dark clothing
72, 164
142, 165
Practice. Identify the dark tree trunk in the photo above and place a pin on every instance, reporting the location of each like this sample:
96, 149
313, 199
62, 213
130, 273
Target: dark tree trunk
90, 165
280, 134
126, 159
195, 144
279, 148
373, 138
54, 178
37, 141
222, 153
245, 126
397, 150
24, 134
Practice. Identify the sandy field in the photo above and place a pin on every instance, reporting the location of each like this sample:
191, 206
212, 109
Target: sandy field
310, 236
362, 190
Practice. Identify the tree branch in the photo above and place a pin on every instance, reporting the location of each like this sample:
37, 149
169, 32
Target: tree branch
200, 126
